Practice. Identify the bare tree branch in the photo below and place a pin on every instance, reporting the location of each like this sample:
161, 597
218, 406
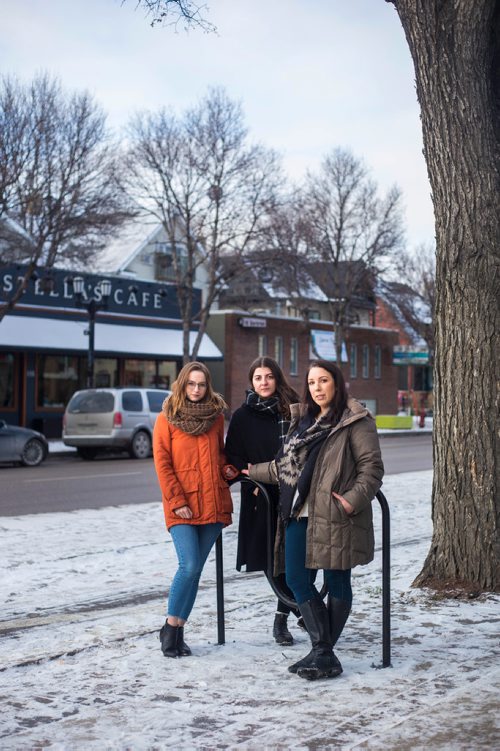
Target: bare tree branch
60, 196
175, 12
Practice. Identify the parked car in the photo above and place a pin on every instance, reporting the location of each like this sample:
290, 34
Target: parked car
112, 418
22, 445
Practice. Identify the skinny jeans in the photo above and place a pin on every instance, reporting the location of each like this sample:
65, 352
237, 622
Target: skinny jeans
301, 579
193, 543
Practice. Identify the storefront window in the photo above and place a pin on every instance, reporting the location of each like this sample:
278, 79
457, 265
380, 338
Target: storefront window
149, 373
59, 376
105, 372
422, 378
167, 373
7, 366
139, 373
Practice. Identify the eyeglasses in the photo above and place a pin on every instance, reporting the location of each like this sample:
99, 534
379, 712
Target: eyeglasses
192, 385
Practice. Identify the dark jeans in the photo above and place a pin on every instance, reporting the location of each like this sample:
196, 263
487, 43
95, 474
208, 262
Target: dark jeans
301, 579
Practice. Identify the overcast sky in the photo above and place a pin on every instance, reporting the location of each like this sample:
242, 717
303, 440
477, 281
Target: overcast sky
310, 75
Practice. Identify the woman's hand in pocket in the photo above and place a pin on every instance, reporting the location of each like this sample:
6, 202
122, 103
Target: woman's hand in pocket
348, 508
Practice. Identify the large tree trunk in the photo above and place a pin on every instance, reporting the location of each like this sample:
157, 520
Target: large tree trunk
455, 47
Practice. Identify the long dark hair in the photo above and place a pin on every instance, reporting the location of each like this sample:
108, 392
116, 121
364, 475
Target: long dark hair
285, 393
339, 402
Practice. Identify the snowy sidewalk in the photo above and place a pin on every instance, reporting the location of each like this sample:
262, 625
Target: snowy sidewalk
83, 599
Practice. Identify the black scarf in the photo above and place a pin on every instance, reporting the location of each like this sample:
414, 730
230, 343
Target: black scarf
271, 405
296, 462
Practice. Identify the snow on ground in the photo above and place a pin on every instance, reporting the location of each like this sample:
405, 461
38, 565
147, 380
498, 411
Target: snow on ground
81, 668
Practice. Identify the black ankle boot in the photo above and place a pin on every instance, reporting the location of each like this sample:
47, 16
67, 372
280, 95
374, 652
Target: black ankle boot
301, 624
321, 662
280, 630
168, 639
182, 648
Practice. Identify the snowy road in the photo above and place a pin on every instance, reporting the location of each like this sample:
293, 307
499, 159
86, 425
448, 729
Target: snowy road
81, 667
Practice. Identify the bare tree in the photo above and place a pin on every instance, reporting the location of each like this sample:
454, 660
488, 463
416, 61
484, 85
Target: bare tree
59, 192
210, 190
285, 251
352, 233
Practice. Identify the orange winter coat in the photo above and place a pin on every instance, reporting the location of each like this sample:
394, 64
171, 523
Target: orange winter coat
189, 469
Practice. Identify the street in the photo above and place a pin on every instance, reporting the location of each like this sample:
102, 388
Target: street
67, 483
81, 668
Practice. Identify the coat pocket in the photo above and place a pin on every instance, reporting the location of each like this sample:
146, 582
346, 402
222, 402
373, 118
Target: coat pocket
338, 513
190, 483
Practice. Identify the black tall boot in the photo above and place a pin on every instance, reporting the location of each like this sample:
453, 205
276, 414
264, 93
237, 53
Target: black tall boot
168, 639
324, 663
338, 611
280, 630
182, 648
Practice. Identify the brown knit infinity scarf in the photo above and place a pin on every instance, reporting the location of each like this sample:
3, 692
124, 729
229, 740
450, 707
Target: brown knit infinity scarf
196, 418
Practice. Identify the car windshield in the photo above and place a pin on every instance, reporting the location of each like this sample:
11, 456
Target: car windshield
93, 401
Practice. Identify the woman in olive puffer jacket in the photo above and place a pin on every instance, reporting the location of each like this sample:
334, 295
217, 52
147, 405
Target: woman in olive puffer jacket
328, 473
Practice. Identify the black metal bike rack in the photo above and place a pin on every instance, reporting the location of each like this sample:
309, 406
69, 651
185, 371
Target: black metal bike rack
386, 570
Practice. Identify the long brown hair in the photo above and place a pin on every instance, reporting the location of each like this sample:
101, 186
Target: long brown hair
178, 398
339, 402
285, 393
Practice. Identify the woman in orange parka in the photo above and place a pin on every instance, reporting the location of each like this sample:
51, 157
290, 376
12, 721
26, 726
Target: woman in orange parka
188, 445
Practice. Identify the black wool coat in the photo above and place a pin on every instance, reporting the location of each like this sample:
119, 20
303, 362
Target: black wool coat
253, 437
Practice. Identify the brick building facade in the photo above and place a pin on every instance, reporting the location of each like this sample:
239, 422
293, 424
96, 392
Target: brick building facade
243, 336
414, 381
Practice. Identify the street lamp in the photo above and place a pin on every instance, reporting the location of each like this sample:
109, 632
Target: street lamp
91, 306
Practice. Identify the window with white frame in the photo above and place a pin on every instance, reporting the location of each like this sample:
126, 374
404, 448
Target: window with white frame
353, 361
294, 355
262, 345
278, 350
366, 361
377, 367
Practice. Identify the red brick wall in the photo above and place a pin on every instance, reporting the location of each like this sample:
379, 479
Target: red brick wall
241, 348
385, 318
384, 389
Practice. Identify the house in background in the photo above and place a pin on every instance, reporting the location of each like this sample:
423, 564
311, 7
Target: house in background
259, 316
44, 341
401, 308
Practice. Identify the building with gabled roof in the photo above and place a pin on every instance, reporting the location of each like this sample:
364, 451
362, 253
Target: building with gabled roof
44, 343
403, 309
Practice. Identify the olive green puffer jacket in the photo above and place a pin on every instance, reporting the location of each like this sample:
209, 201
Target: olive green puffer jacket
349, 464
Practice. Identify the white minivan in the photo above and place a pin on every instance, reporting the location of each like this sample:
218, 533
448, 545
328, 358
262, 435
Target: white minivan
112, 418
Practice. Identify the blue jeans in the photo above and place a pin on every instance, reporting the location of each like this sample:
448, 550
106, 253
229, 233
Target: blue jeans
301, 579
192, 543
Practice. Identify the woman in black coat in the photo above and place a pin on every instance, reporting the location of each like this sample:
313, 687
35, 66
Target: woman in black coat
256, 433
